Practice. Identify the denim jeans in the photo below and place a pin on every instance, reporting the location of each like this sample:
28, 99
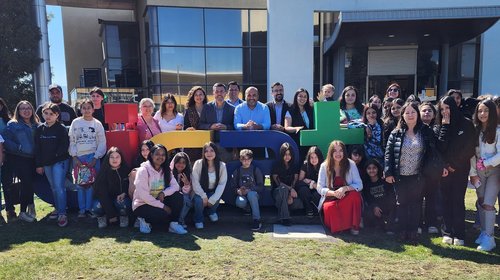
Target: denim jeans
186, 206
85, 195
56, 174
198, 207
251, 198
121, 207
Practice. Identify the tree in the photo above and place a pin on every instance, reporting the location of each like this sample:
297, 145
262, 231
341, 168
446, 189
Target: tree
19, 37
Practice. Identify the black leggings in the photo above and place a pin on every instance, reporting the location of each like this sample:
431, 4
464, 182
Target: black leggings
158, 216
24, 170
453, 188
408, 193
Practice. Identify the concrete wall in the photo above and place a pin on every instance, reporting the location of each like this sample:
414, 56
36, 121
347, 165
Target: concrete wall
290, 32
82, 43
490, 61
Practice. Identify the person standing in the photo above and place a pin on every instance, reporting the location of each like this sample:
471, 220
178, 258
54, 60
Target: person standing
485, 170
456, 143
20, 147
55, 96
233, 89
278, 107
218, 114
52, 158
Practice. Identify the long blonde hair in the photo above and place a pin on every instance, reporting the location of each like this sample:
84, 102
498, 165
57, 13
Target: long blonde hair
330, 163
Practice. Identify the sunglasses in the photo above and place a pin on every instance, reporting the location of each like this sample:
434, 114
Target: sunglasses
394, 89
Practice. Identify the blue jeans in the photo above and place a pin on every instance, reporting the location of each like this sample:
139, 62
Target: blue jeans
186, 206
85, 195
121, 207
56, 174
198, 207
251, 198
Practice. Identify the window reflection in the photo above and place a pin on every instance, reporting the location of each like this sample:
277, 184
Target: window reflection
225, 27
182, 65
224, 65
258, 27
181, 26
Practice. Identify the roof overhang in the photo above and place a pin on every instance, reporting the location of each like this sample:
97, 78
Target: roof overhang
95, 4
411, 27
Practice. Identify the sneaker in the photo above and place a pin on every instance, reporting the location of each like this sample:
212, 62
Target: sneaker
123, 221
419, 230
32, 211
136, 223
176, 228
62, 220
102, 222
53, 215
310, 214
183, 225
432, 230
90, 214
479, 239
26, 217
213, 217
487, 244
81, 215
447, 240
458, 242
11, 216
256, 225
354, 231
144, 227
198, 225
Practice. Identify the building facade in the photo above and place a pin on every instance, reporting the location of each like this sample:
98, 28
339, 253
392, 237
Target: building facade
160, 46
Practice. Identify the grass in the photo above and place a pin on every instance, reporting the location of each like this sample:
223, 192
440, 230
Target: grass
81, 251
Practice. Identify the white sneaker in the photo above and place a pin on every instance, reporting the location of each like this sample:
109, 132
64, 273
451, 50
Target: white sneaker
26, 217
487, 244
432, 230
123, 221
176, 228
447, 240
32, 210
458, 242
198, 225
144, 227
102, 222
419, 230
213, 217
479, 239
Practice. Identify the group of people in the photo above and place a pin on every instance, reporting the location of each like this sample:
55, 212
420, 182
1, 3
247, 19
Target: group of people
414, 154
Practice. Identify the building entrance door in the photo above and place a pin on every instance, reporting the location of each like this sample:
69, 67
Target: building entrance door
378, 85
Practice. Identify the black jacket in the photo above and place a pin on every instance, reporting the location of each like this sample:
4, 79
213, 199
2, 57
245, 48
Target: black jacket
272, 111
457, 145
209, 116
108, 186
393, 149
51, 144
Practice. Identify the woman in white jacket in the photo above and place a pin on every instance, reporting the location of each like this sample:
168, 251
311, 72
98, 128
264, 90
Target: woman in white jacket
209, 179
485, 170
339, 185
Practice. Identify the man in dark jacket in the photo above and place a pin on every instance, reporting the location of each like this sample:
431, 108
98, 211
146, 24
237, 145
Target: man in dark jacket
278, 107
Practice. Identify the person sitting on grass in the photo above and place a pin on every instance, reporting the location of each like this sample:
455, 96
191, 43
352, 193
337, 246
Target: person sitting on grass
284, 178
110, 190
209, 179
157, 199
181, 169
248, 182
378, 197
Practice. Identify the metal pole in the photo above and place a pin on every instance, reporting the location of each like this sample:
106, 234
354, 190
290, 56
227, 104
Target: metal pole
42, 76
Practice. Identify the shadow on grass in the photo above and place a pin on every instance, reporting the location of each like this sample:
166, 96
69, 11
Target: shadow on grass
375, 238
81, 231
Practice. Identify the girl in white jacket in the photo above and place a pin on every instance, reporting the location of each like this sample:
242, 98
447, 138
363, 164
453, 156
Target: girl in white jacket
485, 170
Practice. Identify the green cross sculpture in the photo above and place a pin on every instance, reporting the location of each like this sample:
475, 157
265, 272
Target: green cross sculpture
327, 123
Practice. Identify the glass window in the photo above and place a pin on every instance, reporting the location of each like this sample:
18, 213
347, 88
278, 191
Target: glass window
224, 65
114, 63
151, 22
181, 26
226, 27
259, 65
155, 66
258, 27
182, 65
112, 41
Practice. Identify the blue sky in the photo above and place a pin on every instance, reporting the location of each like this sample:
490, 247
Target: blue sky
56, 42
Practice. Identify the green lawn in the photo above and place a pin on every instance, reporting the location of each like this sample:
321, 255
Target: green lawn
81, 251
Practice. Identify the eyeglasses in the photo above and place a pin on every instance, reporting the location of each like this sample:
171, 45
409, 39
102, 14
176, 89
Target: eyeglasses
24, 109
394, 89
277, 90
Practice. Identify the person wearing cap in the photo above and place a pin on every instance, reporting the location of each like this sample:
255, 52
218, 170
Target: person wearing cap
55, 96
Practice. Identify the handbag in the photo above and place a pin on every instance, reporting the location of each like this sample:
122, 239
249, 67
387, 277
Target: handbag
84, 175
